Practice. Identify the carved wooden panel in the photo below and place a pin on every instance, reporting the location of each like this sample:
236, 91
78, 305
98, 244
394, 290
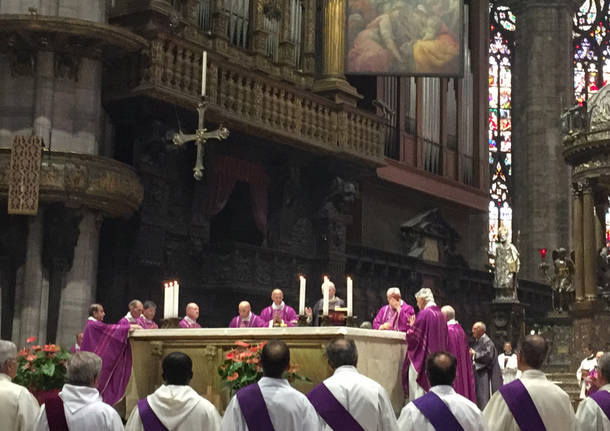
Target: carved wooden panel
24, 175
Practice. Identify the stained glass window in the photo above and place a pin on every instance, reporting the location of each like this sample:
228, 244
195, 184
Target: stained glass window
591, 37
501, 46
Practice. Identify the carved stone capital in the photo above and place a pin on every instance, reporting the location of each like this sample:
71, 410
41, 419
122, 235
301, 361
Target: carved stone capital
77, 180
576, 190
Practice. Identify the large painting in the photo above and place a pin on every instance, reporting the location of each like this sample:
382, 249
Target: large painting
404, 37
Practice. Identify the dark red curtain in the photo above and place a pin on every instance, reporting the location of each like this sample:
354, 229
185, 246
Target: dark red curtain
225, 174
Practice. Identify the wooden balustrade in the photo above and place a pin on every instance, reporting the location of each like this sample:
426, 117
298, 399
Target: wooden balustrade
247, 100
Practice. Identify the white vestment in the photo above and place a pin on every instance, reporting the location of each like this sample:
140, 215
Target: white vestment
510, 372
465, 411
289, 409
84, 410
18, 407
587, 364
552, 403
179, 408
590, 416
365, 399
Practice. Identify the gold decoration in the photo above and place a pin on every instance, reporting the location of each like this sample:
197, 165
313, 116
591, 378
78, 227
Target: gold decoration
24, 175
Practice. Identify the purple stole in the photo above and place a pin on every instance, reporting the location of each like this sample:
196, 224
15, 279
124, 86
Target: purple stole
522, 406
331, 410
56, 415
150, 421
437, 413
254, 408
602, 398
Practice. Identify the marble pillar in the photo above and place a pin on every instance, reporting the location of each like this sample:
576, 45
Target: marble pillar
577, 234
589, 250
542, 86
80, 281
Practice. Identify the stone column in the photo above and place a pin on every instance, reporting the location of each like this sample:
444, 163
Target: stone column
589, 251
542, 85
577, 235
332, 82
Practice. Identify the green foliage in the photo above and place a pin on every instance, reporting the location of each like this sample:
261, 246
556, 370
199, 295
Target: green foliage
42, 368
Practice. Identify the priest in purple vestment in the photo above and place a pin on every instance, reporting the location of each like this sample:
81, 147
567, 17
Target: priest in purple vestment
246, 318
457, 345
146, 320
134, 313
427, 334
111, 343
278, 313
192, 314
396, 315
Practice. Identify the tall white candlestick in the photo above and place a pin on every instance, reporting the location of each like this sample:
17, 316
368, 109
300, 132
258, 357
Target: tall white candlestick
175, 300
204, 66
167, 298
302, 288
325, 290
350, 292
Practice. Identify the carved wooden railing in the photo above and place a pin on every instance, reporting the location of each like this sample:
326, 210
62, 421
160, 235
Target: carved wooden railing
171, 70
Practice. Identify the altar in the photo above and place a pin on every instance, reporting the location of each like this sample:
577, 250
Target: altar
380, 357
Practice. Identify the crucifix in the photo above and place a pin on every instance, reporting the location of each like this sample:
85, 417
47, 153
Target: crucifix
201, 135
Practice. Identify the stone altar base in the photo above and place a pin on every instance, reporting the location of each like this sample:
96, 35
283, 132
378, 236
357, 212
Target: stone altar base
380, 357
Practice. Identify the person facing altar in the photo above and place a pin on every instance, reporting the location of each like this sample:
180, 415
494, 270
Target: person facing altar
333, 302
246, 318
134, 313
396, 315
278, 313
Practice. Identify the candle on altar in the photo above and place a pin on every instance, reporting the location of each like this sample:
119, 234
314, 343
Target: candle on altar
325, 293
170, 303
302, 288
175, 301
204, 66
350, 293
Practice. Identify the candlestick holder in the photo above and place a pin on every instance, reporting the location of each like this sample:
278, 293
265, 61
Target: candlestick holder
325, 321
351, 321
302, 320
170, 323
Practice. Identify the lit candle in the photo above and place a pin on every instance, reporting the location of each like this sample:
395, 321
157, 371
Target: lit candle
350, 292
325, 293
168, 297
204, 66
175, 300
302, 287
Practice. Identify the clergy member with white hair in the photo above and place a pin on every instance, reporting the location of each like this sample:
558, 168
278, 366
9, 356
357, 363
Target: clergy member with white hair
594, 411
278, 313
426, 334
531, 402
18, 408
349, 400
487, 374
246, 318
395, 315
457, 345
79, 405
271, 404
135, 311
175, 405
441, 409
192, 314
333, 302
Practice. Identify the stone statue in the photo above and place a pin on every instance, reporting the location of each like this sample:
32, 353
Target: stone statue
561, 279
507, 266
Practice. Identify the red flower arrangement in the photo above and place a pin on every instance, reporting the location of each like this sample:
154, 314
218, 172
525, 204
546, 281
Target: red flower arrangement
242, 367
41, 367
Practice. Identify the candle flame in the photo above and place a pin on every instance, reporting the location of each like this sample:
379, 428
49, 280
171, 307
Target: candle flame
349, 278
301, 277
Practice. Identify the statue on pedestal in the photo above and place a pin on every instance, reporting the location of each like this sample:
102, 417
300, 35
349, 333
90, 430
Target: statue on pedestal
507, 266
561, 280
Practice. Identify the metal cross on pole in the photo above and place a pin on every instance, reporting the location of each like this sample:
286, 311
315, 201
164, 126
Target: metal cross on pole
200, 137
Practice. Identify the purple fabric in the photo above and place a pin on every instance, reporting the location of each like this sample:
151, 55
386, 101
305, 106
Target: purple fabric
254, 322
457, 345
150, 421
56, 415
427, 335
388, 314
254, 408
110, 343
522, 406
437, 413
185, 324
602, 398
289, 316
73, 349
331, 410
145, 324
